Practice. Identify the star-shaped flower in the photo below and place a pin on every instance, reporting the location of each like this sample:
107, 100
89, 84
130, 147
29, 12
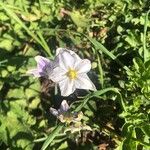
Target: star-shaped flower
64, 114
71, 72
73, 120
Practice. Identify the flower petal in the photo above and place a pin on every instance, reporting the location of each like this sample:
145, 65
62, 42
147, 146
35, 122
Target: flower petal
57, 74
64, 107
54, 111
83, 66
42, 62
35, 72
66, 60
84, 82
61, 50
66, 87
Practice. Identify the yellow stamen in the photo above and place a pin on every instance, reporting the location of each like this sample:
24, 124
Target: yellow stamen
72, 74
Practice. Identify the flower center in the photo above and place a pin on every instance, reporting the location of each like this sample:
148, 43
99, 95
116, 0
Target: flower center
72, 74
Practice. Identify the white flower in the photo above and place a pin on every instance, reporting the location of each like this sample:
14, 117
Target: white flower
71, 72
64, 107
62, 113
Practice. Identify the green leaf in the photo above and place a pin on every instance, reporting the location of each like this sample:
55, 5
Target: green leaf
128, 142
12, 15
79, 19
6, 44
99, 47
97, 94
63, 146
3, 17
15, 125
146, 130
16, 93
145, 50
125, 129
50, 138
131, 40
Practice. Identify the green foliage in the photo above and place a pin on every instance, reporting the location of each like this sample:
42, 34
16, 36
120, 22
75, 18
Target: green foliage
114, 35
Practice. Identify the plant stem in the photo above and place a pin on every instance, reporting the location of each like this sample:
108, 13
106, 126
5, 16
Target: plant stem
144, 37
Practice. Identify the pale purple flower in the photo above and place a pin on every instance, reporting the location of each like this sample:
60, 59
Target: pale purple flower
71, 72
64, 107
43, 69
72, 119
64, 114
67, 70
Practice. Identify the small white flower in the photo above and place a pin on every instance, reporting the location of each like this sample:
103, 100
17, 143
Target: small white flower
64, 107
64, 115
71, 72
71, 119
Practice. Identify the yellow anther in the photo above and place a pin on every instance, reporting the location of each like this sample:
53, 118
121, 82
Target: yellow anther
72, 74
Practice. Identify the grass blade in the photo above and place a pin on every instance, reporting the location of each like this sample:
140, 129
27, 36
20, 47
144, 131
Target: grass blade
97, 94
101, 78
44, 43
98, 46
12, 15
52, 136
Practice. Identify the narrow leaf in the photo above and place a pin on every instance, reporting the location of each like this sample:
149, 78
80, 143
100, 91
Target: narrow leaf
144, 38
99, 47
50, 138
97, 94
12, 15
